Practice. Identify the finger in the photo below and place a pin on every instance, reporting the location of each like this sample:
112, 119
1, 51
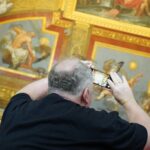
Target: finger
124, 80
111, 84
114, 78
118, 77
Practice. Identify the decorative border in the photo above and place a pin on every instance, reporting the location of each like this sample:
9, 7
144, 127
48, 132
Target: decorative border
129, 38
122, 49
71, 13
125, 45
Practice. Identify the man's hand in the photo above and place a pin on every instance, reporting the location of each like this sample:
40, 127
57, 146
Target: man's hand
123, 94
121, 89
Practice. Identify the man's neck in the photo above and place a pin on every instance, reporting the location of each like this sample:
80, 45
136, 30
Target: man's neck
69, 97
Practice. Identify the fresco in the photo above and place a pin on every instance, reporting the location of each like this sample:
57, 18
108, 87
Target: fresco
132, 11
135, 70
26, 47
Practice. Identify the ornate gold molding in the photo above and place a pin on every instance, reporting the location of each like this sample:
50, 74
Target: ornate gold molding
59, 21
5, 94
121, 36
8, 88
79, 39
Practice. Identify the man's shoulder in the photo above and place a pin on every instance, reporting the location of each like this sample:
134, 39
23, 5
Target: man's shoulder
18, 99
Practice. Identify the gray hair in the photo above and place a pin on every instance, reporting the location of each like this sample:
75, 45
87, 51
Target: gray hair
73, 81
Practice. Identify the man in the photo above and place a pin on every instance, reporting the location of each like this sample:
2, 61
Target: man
54, 114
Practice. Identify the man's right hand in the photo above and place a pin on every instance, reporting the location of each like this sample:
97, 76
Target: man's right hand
121, 89
123, 94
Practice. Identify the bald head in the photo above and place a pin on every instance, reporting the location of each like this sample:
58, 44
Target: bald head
70, 76
67, 65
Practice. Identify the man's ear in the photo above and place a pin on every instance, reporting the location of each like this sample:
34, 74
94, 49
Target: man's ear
85, 97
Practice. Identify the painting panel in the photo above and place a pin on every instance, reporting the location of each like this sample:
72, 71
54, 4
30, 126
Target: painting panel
131, 16
135, 69
131, 11
26, 47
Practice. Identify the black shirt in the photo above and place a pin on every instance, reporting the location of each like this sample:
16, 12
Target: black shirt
54, 123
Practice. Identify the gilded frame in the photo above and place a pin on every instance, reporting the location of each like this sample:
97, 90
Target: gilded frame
70, 13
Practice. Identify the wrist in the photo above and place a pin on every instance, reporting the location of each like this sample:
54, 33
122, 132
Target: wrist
129, 104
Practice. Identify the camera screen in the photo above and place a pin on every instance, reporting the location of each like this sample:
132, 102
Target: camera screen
100, 78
